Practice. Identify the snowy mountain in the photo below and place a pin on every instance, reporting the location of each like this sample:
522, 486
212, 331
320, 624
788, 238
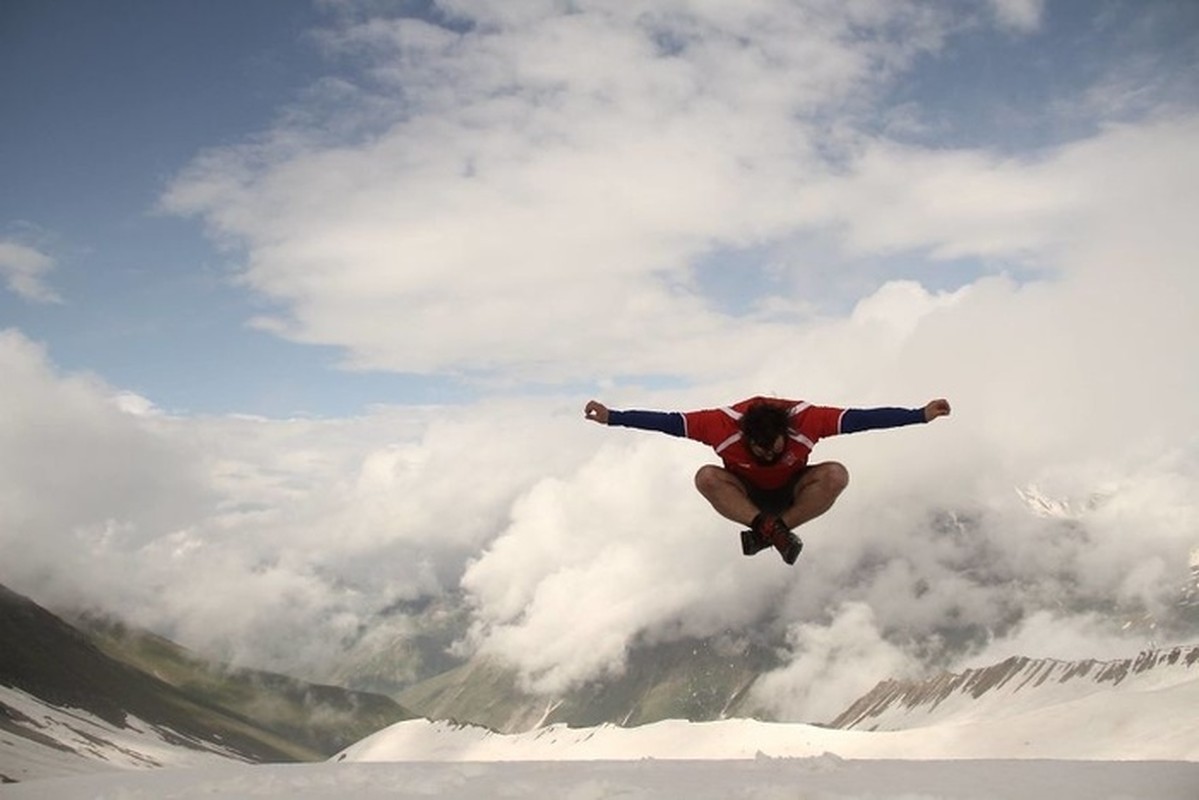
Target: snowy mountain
39, 740
1135, 737
320, 719
692, 678
67, 706
1016, 686
1142, 708
1023, 728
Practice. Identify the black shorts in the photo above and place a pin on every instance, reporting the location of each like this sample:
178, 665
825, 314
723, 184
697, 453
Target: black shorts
774, 501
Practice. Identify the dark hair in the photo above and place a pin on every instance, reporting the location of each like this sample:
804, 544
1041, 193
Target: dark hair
763, 423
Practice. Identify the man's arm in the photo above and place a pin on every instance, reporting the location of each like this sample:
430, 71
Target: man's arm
865, 419
670, 422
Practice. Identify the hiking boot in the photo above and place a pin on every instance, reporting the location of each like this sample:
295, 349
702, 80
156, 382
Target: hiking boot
752, 543
773, 530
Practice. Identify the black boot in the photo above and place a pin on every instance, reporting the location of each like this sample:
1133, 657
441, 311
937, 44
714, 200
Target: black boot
774, 531
752, 543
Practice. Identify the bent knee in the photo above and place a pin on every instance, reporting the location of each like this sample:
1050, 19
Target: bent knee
713, 479
708, 477
835, 475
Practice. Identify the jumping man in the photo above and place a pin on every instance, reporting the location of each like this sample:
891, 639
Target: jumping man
764, 443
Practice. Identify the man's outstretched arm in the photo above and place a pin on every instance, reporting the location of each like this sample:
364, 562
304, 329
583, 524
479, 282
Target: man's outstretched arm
865, 419
670, 422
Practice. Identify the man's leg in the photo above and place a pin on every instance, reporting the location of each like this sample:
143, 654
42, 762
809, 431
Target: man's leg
816, 492
726, 493
731, 499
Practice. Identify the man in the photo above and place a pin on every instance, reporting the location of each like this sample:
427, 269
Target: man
764, 443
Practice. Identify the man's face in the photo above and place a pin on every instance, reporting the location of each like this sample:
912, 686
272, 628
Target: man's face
768, 454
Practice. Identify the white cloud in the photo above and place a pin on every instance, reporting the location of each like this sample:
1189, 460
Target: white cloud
620, 550
24, 269
310, 528
549, 177
1049, 635
555, 179
78, 473
1049, 379
1022, 16
970, 203
831, 662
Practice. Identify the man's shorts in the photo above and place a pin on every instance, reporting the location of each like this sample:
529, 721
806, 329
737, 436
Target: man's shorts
774, 501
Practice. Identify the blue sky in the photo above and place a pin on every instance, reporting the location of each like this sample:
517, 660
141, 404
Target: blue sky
108, 104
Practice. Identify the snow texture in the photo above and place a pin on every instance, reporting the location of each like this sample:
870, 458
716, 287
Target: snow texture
820, 778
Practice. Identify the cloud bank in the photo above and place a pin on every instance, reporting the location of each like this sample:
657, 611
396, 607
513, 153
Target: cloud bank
584, 159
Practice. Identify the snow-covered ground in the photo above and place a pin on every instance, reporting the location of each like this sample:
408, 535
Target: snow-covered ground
820, 778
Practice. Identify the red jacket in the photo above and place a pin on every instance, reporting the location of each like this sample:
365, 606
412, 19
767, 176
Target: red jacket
719, 428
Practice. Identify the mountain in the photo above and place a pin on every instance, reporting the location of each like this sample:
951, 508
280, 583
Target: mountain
63, 697
1136, 709
320, 718
419, 647
66, 705
1014, 686
710, 679
1135, 737
692, 679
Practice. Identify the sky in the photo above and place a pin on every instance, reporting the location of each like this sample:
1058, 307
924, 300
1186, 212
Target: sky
300, 305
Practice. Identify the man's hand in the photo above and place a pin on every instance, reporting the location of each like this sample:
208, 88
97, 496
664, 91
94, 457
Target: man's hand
596, 411
936, 408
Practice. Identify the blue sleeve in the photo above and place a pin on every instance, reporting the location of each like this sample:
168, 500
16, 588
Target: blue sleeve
865, 419
670, 422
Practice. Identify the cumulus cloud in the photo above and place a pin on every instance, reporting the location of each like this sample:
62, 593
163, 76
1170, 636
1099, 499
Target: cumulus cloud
831, 661
1049, 377
550, 177
1022, 16
43, 412
24, 270
607, 556
311, 528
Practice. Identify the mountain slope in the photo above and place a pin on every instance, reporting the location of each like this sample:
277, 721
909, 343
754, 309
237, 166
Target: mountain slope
694, 679
63, 700
47, 660
1148, 716
1140, 708
322, 719
1012, 687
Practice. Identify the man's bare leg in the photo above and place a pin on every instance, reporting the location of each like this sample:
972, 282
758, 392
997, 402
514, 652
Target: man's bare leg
726, 494
816, 492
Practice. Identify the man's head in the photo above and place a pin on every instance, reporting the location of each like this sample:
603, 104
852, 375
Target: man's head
764, 427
